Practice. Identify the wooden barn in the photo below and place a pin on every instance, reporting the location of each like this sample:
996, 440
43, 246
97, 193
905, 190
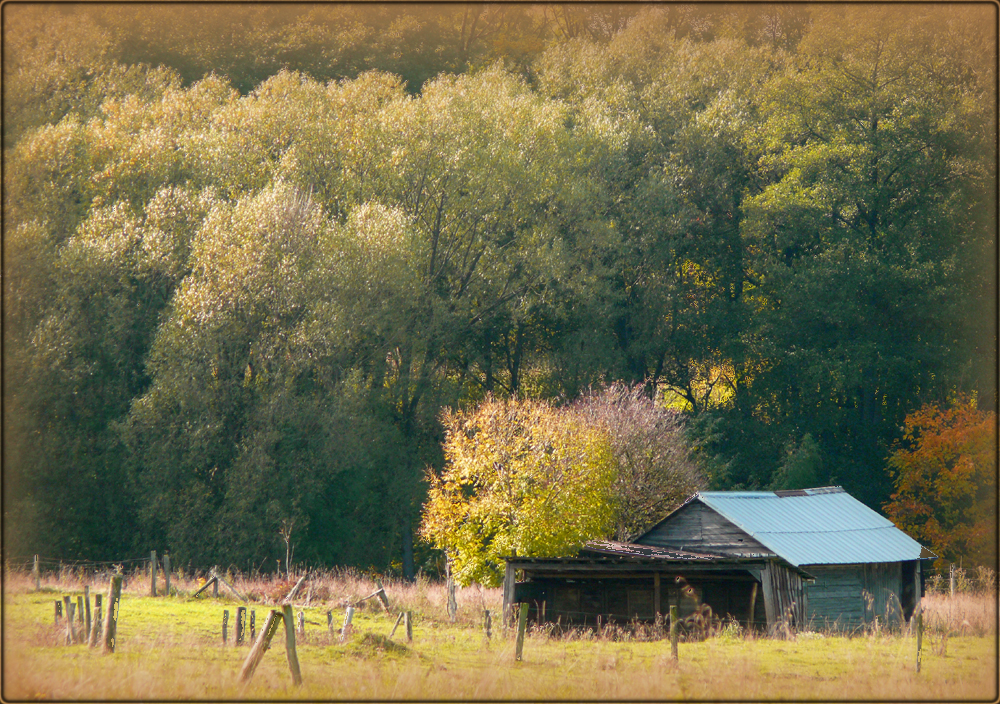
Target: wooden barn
812, 558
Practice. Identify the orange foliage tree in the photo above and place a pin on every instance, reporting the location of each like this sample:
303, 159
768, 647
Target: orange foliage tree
946, 482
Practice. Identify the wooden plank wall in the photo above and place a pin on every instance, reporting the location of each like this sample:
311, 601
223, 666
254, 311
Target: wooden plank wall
785, 599
697, 527
883, 582
836, 597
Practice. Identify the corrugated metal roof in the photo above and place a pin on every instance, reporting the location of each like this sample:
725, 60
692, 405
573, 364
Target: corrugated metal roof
825, 526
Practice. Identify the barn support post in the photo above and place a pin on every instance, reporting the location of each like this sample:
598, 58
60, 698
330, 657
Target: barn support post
656, 595
770, 612
753, 605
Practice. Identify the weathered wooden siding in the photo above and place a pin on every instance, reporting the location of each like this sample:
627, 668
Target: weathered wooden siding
836, 597
697, 527
850, 596
883, 583
785, 599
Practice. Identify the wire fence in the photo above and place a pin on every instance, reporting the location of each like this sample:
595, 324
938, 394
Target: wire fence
49, 566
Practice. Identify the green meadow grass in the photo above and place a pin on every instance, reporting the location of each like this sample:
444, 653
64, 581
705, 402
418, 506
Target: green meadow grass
171, 648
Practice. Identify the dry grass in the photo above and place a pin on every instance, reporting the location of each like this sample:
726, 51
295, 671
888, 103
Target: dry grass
170, 649
962, 614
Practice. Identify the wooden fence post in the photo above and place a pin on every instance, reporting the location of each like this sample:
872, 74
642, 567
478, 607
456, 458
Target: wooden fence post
396, 625
166, 572
522, 622
95, 631
346, 630
215, 582
36, 574
300, 624
225, 624
58, 612
241, 623
452, 603
111, 617
79, 609
951, 580
70, 627
674, 628
152, 573
260, 645
253, 624
293, 660
408, 622
87, 624
329, 623
920, 634
488, 624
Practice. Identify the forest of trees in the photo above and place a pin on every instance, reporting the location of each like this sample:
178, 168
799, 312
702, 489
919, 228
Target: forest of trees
253, 254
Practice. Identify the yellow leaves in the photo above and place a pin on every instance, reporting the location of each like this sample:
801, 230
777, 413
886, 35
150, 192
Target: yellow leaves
520, 477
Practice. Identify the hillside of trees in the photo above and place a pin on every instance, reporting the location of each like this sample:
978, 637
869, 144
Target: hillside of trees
249, 263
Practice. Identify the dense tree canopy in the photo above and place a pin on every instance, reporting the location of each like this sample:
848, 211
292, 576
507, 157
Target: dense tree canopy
248, 262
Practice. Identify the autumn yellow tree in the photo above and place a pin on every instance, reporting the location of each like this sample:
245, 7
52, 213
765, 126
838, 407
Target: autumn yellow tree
519, 479
946, 483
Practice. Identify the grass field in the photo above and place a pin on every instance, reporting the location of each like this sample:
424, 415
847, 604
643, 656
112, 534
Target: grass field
171, 648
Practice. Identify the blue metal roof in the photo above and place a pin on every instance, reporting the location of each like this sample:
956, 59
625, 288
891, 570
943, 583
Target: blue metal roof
825, 526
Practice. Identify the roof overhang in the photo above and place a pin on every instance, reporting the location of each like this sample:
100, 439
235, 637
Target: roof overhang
613, 557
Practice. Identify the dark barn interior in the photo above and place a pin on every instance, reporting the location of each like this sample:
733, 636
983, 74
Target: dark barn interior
621, 599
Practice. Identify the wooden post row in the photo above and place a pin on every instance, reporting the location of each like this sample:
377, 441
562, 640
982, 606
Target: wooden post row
111, 617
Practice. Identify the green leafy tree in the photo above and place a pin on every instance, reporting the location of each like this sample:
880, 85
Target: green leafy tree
518, 480
859, 242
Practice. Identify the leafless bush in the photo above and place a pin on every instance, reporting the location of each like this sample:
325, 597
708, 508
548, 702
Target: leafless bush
656, 468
